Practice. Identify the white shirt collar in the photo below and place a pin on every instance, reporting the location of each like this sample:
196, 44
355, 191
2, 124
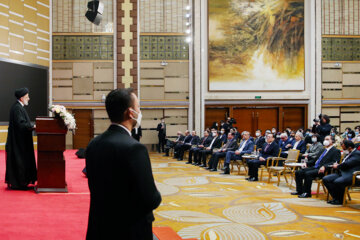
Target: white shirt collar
122, 127
21, 103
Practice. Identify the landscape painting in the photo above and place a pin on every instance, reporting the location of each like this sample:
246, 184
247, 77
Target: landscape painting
256, 45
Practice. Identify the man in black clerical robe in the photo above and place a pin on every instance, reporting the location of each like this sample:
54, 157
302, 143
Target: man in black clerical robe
123, 194
20, 158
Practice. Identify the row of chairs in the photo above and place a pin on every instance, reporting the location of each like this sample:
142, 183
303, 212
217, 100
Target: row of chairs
278, 166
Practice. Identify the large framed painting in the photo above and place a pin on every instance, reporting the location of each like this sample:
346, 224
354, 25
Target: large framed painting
256, 45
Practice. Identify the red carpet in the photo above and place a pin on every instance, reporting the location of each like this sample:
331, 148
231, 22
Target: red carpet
26, 215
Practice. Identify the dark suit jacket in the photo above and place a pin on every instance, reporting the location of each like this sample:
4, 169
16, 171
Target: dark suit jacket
283, 144
230, 145
122, 188
249, 147
301, 146
138, 135
194, 141
207, 141
333, 155
162, 132
217, 143
188, 138
223, 138
259, 142
350, 165
271, 151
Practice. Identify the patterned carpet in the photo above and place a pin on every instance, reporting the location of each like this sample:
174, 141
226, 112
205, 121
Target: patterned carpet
206, 205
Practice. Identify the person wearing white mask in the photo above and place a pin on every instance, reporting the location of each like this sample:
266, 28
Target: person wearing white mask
260, 140
315, 168
314, 150
223, 136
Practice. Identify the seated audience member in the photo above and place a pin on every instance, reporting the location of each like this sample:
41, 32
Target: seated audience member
270, 149
307, 137
186, 146
335, 134
350, 135
314, 150
336, 182
223, 136
314, 169
229, 146
204, 142
274, 131
345, 133
260, 140
292, 136
285, 144
356, 141
237, 134
201, 156
172, 144
299, 144
246, 147
225, 126
177, 147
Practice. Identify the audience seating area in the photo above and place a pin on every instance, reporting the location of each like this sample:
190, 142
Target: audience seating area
277, 166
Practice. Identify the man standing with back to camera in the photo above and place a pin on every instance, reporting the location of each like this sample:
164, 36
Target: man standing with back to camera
20, 157
121, 202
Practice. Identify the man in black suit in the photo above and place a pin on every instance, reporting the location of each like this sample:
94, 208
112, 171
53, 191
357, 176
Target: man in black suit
336, 182
121, 204
171, 144
136, 133
204, 142
315, 168
186, 146
161, 128
260, 139
230, 145
178, 146
270, 149
215, 143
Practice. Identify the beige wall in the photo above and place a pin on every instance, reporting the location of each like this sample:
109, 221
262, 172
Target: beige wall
25, 31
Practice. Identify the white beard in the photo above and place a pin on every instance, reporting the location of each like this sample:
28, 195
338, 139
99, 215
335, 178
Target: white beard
26, 103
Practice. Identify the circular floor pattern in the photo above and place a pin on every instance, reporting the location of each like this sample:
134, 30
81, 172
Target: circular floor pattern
233, 231
260, 214
186, 181
166, 189
191, 216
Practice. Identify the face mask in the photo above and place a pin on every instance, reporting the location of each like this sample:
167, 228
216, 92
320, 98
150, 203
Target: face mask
257, 134
273, 131
332, 134
349, 135
138, 119
356, 133
310, 134
326, 143
214, 134
346, 151
314, 140
222, 132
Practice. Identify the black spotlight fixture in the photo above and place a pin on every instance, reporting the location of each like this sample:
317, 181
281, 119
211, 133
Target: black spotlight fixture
95, 11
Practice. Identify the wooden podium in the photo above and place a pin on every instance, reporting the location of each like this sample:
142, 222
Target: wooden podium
51, 134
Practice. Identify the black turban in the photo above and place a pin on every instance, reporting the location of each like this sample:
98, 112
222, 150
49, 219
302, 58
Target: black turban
19, 93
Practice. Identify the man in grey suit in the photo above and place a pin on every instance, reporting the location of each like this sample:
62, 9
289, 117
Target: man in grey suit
337, 182
123, 194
